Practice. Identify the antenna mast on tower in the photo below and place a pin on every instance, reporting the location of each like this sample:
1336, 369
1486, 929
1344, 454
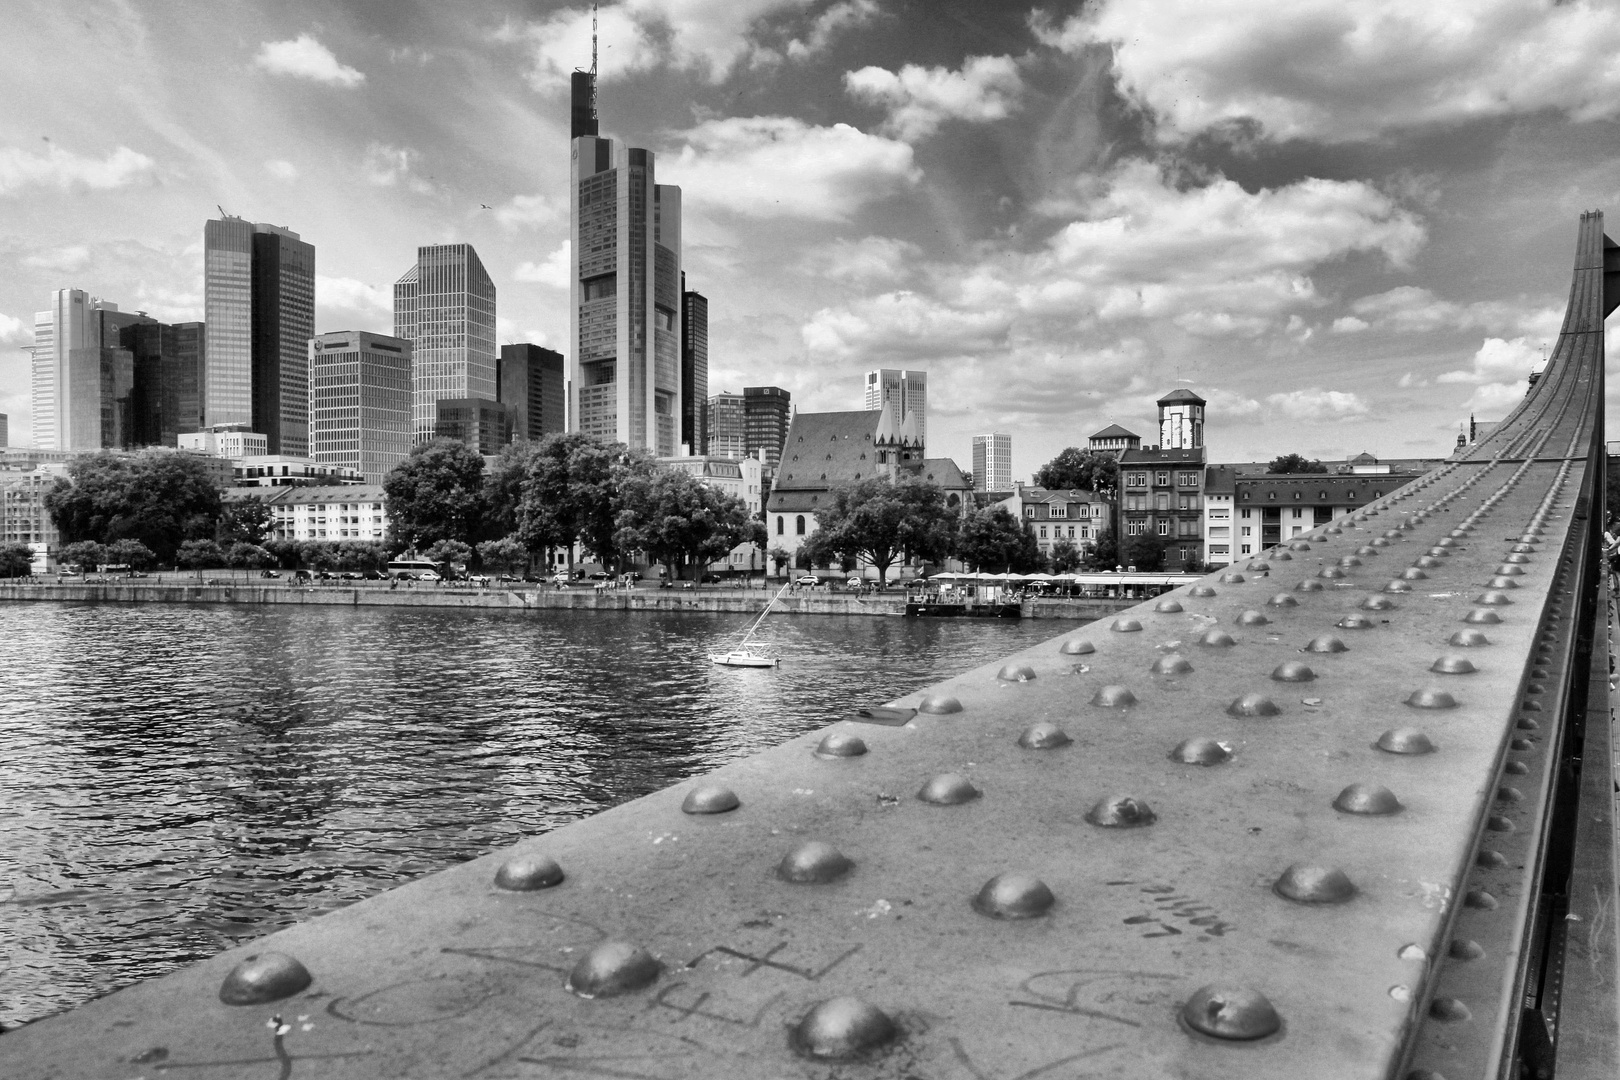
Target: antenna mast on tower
593, 61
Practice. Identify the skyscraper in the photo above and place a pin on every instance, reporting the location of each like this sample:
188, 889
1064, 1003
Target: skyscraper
259, 309
726, 421
445, 307
531, 381
907, 391
768, 412
360, 401
992, 462
624, 289
67, 372
694, 369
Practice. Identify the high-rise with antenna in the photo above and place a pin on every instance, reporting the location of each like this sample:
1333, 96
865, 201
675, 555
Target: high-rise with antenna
625, 287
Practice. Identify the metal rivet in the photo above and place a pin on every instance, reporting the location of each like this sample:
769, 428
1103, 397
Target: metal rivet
1253, 705
1482, 617
612, 968
948, 789
1200, 751
1498, 823
1019, 672
1232, 578
710, 799
1501, 583
1304, 883
1014, 896
1449, 1010
1425, 562
527, 874
1378, 542
1217, 639
1125, 626
939, 705
1516, 768
1524, 549
1400, 586
1412, 573
1043, 736
813, 862
1227, 1012
1282, 556
1310, 585
1349, 561
1167, 607
1293, 671
840, 1028
1077, 647
1430, 698
839, 744
1515, 559
1509, 794
1465, 949
1490, 860
1469, 639
1355, 622
262, 977
1172, 664
1453, 665
1258, 564
1369, 799
1114, 696
1377, 603
1282, 599
1121, 812
1299, 545
1405, 740
1494, 598
1326, 643
1480, 900
1445, 542
1203, 592
1366, 549
1251, 618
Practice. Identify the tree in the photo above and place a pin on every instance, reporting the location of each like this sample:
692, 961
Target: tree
436, 494
1294, 463
244, 521
131, 553
506, 555
199, 555
882, 521
16, 560
993, 541
1080, 470
779, 557
159, 498
1065, 557
1104, 553
87, 555
677, 519
447, 553
1144, 552
362, 555
244, 556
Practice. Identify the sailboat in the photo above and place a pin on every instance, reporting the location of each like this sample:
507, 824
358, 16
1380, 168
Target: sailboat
740, 655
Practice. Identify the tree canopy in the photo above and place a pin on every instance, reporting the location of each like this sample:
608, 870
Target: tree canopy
16, 560
1144, 552
436, 494
1295, 463
883, 521
1080, 470
678, 520
992, 540
159, 498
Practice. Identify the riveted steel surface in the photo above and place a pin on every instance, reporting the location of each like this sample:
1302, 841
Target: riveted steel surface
1199, 922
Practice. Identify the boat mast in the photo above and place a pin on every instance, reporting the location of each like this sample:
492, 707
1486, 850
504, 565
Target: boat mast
762, 615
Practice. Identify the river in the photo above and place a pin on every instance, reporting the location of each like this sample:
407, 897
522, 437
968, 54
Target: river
175, 780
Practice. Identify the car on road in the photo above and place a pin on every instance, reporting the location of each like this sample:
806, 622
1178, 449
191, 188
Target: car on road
808, 579
269, 573
600, 575
478, 579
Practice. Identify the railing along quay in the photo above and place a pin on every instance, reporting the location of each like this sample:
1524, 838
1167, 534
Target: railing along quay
1342, 810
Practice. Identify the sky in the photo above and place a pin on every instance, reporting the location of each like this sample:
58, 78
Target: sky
1348, 224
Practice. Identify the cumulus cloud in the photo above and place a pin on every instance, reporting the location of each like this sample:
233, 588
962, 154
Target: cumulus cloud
552, 271
1499, 361
1345, 70
528, 211
351, 294
920, 99
781, 167
284, 171
305, 58
1349, 324
1315, 405
388, 166
829, 24
63, 259
14, 331
1409, 309
871, 260
66, 171
904, 325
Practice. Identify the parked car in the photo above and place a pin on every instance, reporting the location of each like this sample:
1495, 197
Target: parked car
269, 573
600, 575
709, 579
428, 575
478, 579
808, 579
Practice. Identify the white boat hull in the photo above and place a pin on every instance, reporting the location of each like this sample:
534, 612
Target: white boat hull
743, 659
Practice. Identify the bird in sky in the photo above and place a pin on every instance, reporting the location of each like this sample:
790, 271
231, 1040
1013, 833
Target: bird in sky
485, 206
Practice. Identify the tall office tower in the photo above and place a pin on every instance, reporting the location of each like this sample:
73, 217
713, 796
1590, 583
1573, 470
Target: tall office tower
445, 307
5, 430
259, 309
168, 362
694, 369
907, 391
531, 381
68, 377
482, 424
992, 462
360, 401
625, 290
117, 401
768, 411
726, 421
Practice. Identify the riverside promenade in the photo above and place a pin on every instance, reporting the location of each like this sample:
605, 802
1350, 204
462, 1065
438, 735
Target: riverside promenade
740, 601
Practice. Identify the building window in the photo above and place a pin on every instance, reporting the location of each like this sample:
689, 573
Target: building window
1296, 496
1247, 549
1248, 530
799, 525
779, 525
1164, 528
1271, 496
1043, 532
1161, 479
1246, 513
1298, 513
1188, 479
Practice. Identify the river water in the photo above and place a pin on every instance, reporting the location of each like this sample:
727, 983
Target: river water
175, 780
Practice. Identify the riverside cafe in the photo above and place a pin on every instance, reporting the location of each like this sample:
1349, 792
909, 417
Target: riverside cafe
997, 588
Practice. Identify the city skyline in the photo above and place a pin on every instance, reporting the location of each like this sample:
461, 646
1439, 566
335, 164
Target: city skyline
1002, 197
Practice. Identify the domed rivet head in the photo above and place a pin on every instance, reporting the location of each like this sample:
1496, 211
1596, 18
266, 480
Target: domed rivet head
1172, 664
1282, 556
1253, 705
1469, 639
1016, 673
526, 874
1509, 794
266, 976
1077, 647
1252, 618
1121, 812
1043, 736
1168, 607
839, 745
1310, 585
1461, 532
612, 968
1498, 823
1436, 554
939, 705
948, 789
1430, 698
1200, 752
1453, 665
1449, 1010
1516, 768
1377, 542
812, 863
1405, 740
1412, 573
1259, 565
1516, 558
1398, 587
841, 1028
1349, 562
1524, 723
1355, 622
1465, 949
1217, 639
1445, 542
1366, 549
1299, 545
1331, 573
1282, 599
1203, 592
1490, 860
1228, 1012
1232, 578
1333, 530
1125, 626
1501, 583
1391, 534
1509, 570
1426, 562
1326, 643
1113, 696
710, 799
1014, 896
1482, 617
1369, 799
1292, 671
1304, 883
1523, 549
